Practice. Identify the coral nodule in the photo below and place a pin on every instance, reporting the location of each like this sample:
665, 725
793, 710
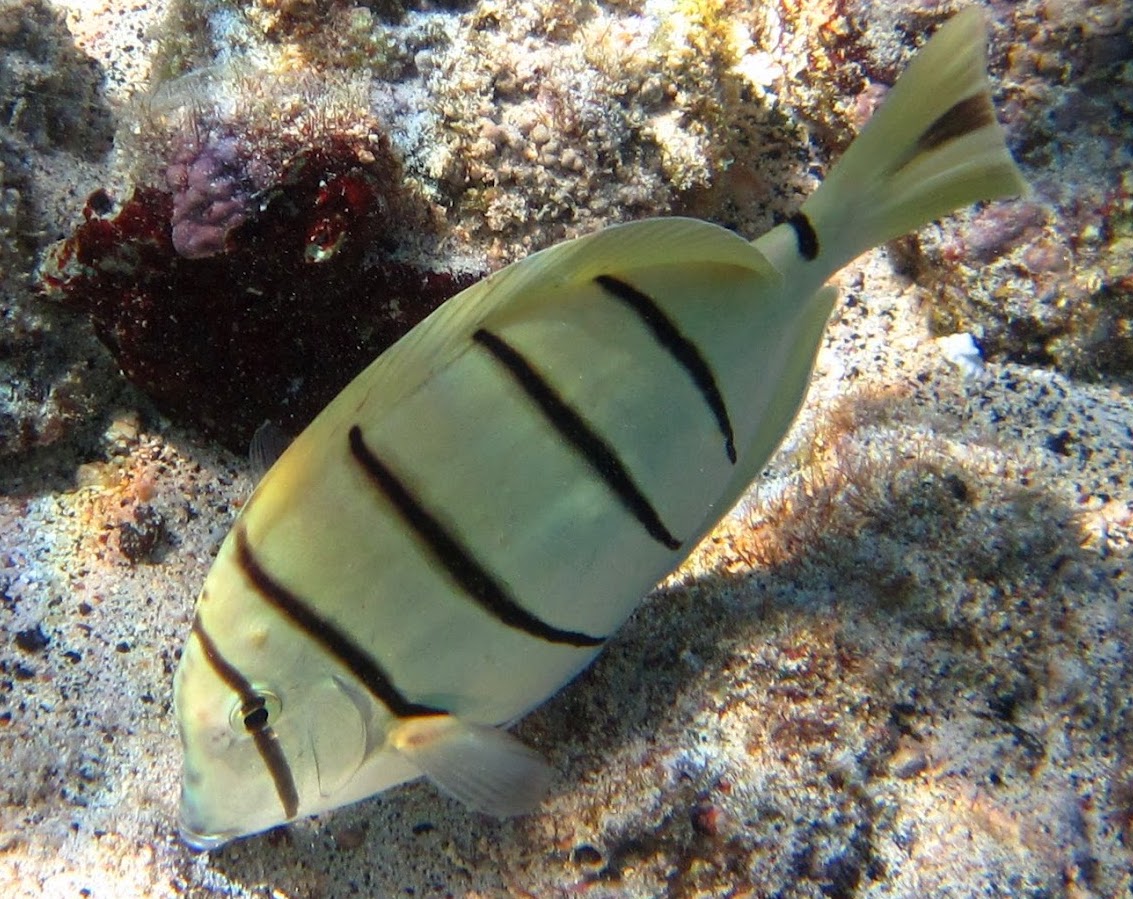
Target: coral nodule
211, 194
255, 273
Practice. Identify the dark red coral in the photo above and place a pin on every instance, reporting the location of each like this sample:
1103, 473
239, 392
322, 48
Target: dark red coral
301, 299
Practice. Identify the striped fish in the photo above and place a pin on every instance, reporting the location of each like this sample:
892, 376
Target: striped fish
460, 531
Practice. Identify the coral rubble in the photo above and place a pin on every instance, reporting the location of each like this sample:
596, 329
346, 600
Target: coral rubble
264, 319
270, 250
50, 106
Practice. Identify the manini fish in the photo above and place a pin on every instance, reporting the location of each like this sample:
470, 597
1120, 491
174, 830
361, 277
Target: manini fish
460, 531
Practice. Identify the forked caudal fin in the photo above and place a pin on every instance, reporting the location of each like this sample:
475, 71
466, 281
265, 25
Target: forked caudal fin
934, 146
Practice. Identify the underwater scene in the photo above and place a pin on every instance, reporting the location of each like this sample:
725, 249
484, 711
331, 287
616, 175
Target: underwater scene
554, 448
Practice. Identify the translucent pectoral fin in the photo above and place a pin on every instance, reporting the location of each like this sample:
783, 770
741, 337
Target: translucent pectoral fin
268, 444
484, 767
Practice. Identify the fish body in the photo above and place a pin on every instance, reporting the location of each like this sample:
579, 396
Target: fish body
460, 531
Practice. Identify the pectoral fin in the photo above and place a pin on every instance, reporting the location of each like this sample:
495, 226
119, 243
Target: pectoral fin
268, 444
484, 767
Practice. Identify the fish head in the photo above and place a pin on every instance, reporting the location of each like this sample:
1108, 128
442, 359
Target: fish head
270, 731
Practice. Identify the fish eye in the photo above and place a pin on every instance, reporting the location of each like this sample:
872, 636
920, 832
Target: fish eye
254, 713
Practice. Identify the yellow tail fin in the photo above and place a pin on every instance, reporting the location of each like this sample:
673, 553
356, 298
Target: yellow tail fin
933, 147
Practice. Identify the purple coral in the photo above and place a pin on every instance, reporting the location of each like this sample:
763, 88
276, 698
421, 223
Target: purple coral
211, 193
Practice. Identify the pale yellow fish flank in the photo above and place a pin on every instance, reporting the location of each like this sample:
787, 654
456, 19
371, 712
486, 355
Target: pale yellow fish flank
459, 532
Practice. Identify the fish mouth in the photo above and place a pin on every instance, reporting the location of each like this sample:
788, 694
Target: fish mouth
198, 838
203, 842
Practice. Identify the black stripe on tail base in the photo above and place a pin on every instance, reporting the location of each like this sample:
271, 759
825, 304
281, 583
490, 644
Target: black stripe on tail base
683, 350
352, 656
578, 434
251, 709
805, 236
961, 118
456, 559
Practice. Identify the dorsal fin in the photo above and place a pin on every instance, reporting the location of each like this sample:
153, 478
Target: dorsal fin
448, 331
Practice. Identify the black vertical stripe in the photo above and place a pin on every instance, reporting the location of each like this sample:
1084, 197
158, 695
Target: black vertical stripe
455, 558
683, 350
805, 235
267, 744
963, 117
352, 656
576, 432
